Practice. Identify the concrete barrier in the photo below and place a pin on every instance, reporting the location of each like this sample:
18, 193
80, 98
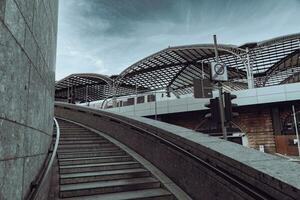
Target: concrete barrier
203, 166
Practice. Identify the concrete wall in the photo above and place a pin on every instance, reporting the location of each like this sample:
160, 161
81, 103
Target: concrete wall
28, 30
272, 176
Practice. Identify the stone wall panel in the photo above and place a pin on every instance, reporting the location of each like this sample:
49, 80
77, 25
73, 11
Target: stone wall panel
14, 71
11, 175
28, 30
11, 143
15, 21
36, 108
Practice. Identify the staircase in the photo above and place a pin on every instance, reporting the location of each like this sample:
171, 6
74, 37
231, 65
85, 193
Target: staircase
91, 167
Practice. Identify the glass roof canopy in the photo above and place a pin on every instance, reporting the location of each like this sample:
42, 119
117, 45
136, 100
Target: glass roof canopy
87, 87
272, 62
83, 87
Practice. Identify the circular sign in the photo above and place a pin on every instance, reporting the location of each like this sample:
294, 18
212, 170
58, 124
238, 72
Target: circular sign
219, 69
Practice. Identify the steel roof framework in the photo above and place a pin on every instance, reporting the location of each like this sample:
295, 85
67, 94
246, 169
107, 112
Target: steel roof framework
173, 69
176, 67
83, 87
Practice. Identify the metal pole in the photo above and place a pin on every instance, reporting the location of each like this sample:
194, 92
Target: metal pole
221, 106
135, 98
296, 128
216, 49
68, 93
86, 94
114, 100
155, 117
202, 80
222, 117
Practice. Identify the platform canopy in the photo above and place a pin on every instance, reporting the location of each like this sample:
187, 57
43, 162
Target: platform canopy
83, 87
87, 87
274, 61
174, 68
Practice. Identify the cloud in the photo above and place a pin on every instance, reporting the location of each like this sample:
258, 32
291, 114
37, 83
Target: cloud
106, 36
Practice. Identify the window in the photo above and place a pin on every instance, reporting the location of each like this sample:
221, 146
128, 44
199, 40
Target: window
120, 104
140, 99
151, 98
130, 101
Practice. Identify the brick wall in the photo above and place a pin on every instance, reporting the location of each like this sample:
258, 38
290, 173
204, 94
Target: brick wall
256, 121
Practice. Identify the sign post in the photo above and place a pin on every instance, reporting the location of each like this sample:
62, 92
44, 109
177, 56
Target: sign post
219, 73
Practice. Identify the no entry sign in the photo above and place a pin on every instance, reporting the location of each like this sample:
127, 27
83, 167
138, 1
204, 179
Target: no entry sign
219, 71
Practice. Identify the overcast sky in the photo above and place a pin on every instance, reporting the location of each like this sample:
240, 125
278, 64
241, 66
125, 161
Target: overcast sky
106, 36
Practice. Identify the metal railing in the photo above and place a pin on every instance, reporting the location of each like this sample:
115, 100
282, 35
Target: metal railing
37, 184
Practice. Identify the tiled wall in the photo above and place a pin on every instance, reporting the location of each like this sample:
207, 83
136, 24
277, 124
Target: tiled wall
28, 30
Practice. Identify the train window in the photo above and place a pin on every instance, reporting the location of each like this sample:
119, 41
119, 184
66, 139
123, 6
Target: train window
140, 99
130, 101
119, 104
151, 98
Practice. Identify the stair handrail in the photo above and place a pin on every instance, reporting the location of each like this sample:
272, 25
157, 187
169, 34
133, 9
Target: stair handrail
36, 185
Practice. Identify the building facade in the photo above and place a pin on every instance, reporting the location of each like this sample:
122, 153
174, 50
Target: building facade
28, 31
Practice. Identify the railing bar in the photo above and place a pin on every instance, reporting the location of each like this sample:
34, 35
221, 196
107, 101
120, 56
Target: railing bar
34, 195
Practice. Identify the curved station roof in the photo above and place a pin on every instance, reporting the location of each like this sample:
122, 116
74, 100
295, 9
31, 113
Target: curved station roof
273, 61
96, 85
86, 87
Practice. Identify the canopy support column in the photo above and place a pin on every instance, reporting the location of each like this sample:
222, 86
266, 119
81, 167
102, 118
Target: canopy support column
249, 71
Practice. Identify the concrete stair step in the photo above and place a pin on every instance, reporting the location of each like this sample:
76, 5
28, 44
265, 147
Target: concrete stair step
83, 146
91, 154
69, 126
73, 128
147, 194
98, 167
78, 134
75, 139
103, 175
79, 137
101, 187
69, 142
85, 150
93, 160
70, 131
